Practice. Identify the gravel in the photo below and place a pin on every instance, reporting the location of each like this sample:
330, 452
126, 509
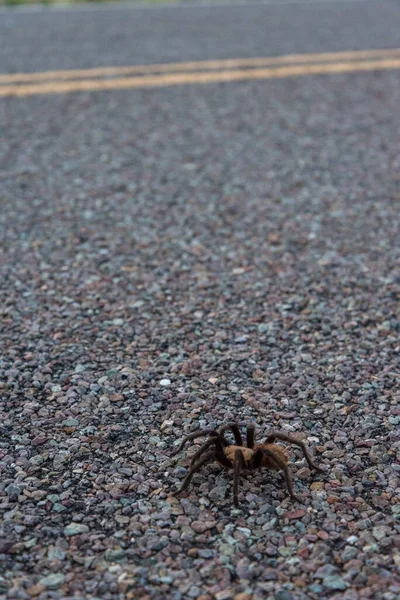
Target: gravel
174, 259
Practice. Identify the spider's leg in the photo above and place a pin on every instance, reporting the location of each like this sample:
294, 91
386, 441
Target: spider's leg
193, 436
192, 471
202, 449
281, 466
277, 435
235, 430
257, 458
220, 442
250, 435
238, 465
223, 460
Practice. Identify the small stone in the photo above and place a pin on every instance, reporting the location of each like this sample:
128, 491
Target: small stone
17, 548
242, 569
285, 551
334, 582
13, 491
35, 590
53, 581
36, 460
348, 553
193, 591
70, 423
202, 526
315, 588
75, 529
326, 571
352, 539
55, 553
242, 339
243, 596
294, 514
118, 322
165, 382
224, 595
38, 494
180, 472
245, 530
284, 595
380, 532
5, 545
53, 498
323, 535
114, 554
39, 440
303, 473
205, 553
317, 486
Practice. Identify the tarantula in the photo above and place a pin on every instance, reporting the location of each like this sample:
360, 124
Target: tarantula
239, 457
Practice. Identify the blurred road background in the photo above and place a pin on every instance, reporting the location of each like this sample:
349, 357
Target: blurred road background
104, 36
185, 251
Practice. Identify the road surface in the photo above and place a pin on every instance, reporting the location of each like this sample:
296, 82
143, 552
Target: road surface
200, 223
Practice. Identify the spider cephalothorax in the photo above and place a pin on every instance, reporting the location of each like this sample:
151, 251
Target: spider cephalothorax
238, 457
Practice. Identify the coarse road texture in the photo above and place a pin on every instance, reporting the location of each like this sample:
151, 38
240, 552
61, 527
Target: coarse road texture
177, 257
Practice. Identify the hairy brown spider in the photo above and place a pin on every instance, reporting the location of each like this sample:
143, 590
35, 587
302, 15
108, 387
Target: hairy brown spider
239, 457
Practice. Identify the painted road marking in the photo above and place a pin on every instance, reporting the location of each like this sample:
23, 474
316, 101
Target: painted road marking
199, 72
201, 65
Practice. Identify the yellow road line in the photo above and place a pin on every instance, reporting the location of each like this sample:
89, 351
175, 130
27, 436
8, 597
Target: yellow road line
150, 81
204, 65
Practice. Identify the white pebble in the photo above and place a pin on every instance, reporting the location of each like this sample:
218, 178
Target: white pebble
165, 382
352, 539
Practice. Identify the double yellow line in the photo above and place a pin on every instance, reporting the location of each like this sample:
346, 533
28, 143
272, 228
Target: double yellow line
200, 72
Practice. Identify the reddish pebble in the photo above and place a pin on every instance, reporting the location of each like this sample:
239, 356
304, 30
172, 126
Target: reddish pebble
39, 440
303, 552
202, 526
294, 514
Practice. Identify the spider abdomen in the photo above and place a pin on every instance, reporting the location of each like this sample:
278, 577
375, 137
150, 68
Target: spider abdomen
248, 453
280, 452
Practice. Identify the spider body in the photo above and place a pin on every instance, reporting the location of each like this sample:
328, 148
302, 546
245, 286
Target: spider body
249, 453
240, 457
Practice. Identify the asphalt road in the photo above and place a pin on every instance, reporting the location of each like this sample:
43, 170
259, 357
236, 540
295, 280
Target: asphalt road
68, 39
177, 256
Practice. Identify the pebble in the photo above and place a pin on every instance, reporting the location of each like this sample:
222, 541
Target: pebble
75, 529
53, 581
165, 382
202, 526
39, 440
224, 595
294, 514
380, 532
334, 582
13, 491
